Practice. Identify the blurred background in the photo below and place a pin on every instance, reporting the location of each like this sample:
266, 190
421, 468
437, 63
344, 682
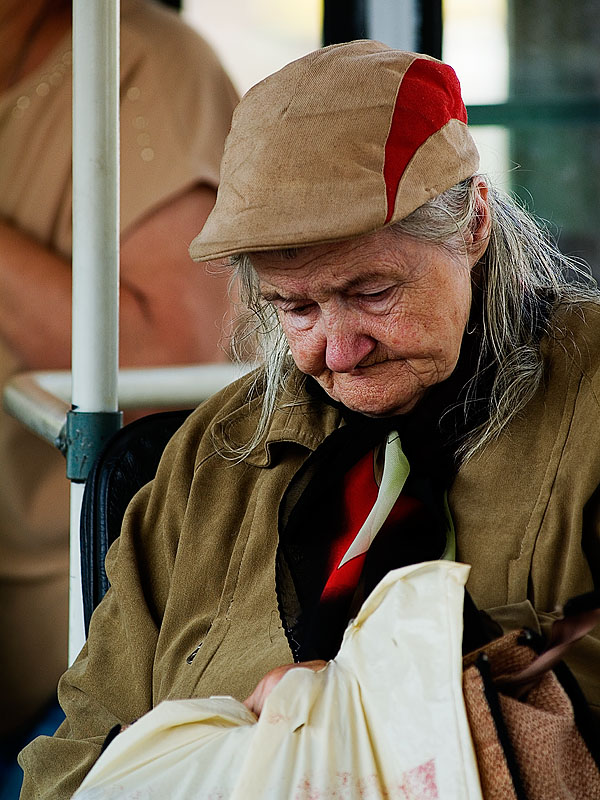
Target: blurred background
530, 73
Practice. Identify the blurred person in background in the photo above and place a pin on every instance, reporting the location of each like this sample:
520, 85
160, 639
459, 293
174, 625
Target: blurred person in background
175, 106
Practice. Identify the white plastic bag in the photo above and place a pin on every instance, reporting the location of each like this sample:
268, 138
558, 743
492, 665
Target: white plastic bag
384, 719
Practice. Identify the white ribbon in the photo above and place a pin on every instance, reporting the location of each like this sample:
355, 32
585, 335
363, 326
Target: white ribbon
395, 473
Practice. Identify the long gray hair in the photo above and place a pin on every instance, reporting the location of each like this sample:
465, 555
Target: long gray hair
520, 279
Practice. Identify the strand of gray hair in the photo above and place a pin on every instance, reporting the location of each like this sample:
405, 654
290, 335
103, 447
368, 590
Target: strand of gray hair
522, 277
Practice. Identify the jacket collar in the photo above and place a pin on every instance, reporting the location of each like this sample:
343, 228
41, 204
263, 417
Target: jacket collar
299, 418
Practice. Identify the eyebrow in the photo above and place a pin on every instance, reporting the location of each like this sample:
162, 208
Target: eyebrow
270, 295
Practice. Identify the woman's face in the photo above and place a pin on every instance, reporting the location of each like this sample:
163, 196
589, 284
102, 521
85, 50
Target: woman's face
375, 320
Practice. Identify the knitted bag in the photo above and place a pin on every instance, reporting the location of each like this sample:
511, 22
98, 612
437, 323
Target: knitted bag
532, 730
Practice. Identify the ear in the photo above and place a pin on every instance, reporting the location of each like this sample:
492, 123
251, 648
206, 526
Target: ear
481, 225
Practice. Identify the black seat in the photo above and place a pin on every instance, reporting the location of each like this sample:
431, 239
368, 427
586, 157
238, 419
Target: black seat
128, 461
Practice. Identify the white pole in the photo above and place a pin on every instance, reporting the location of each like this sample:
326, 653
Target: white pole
95, 237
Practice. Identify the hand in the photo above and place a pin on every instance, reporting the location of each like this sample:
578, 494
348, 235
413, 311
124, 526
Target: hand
265, 686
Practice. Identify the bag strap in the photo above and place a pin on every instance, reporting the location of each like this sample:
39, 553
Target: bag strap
580, 615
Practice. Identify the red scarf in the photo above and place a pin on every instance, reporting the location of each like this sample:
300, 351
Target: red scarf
359, 495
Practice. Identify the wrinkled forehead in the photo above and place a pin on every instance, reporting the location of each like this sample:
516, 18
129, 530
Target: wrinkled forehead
339, 266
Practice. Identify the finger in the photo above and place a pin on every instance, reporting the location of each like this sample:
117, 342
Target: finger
255, 701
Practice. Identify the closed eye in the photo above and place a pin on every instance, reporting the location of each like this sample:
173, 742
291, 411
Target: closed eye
300, 310
376, 296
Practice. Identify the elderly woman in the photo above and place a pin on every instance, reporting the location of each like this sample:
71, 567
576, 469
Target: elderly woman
424, 351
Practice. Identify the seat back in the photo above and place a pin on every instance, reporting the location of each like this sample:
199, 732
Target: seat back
128, 461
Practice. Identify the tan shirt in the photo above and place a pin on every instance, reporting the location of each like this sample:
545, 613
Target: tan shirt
193, 610
176, 106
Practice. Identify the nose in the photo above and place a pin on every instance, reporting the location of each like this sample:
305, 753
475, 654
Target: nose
346, 346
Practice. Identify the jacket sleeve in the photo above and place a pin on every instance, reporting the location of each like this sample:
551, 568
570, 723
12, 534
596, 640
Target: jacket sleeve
528, 509
111, 680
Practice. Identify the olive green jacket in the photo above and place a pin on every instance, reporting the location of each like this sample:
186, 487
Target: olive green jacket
192, 609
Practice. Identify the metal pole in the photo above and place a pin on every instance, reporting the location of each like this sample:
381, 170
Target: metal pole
95, 239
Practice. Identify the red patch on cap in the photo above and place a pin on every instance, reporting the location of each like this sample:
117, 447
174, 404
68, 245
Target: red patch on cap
428, 97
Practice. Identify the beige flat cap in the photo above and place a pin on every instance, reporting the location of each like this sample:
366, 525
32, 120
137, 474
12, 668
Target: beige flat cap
337, 144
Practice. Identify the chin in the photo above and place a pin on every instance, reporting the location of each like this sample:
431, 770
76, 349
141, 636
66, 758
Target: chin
374, 394
383, 413
377, 409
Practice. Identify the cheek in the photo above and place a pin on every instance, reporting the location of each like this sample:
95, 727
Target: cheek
462, 308
431, 328
307, 352
449, 309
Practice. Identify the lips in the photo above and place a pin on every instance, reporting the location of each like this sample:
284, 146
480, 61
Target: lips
374, 360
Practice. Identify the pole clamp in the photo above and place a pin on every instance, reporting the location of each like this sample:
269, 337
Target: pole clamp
82, 438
